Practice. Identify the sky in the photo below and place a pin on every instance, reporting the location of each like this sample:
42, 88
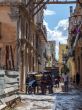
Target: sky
56, 19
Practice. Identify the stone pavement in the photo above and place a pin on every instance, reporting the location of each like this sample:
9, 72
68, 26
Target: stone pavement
57, 101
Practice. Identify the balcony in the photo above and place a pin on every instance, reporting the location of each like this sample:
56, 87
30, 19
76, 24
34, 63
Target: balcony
74, 36
41, 30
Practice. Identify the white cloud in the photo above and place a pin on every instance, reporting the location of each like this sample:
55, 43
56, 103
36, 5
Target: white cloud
49, 12
63, 24
59, 33
56, 33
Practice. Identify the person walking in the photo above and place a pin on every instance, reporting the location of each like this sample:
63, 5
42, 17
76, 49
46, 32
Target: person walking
31, 87
43, 84
77, 79
66, 81
57, 80
50, 84
34, 85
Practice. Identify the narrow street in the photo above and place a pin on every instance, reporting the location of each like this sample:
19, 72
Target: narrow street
40, 54
57, 101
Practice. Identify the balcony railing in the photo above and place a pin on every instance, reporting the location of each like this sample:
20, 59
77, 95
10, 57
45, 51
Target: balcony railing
74, 35
42, 27
44, 30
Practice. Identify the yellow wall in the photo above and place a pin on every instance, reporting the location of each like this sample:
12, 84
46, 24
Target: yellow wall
72, 68
62, 49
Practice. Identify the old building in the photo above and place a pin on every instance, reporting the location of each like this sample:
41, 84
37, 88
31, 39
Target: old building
8, 38
75, 40
62, 53
22, 37
32, 38
50, 46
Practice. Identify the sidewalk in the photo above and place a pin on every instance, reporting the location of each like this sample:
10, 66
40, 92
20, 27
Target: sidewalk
36, 102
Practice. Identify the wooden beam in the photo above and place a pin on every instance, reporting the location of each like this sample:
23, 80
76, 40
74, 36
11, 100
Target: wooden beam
60, 2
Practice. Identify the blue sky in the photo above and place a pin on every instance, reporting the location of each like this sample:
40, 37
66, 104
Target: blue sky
56, 21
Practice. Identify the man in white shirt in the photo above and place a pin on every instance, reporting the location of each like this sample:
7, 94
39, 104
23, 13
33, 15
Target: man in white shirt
66, 81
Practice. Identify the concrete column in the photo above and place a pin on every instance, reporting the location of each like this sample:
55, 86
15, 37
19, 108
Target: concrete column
22, 65
20, 56
21, 71
28, 59
25, 69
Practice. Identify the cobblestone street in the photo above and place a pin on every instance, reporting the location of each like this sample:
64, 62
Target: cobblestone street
69, 101
58, 101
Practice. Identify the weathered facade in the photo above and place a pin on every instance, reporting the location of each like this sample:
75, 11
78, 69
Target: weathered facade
75, 41
8, 38
52, 48
50, 62
62, 53
32, 38
22, 37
